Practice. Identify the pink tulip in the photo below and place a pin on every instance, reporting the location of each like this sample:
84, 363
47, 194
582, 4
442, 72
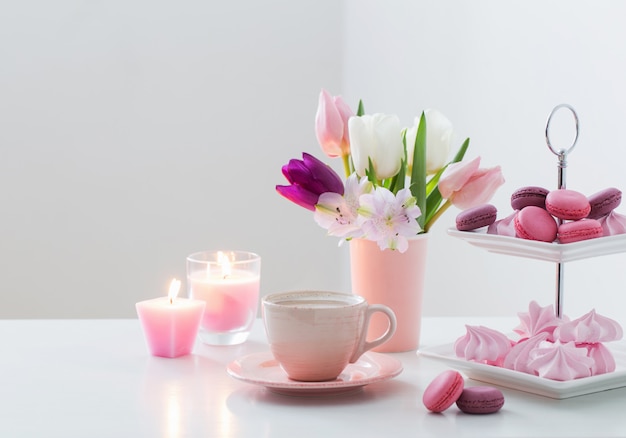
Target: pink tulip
331, 125
465, 185
456, 176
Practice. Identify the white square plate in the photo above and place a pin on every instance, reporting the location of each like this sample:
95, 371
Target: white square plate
534, 384
552, 252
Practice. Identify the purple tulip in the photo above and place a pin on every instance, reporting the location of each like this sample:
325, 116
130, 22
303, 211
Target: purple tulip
309, 178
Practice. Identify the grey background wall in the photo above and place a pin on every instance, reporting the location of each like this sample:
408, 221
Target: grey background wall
133, 133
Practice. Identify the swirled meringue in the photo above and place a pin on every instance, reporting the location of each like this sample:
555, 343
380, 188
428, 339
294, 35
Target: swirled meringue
537, 320
503, 227
518, 358
603, 359
549, 347
613, 223
589, 329
482, 344
559, 361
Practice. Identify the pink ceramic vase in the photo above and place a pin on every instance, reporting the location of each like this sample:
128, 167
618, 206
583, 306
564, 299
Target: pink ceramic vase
396, 280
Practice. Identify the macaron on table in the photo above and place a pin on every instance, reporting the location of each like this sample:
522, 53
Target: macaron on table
558, 226
443, 391
448, 388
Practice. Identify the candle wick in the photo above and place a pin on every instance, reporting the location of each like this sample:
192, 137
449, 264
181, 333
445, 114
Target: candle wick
171, 300
225, 276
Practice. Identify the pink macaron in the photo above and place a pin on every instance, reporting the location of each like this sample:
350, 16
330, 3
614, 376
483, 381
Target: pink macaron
576, 231
604, 202
443, 391
480, 400
567, 204
535, 223
530, 195
476, 217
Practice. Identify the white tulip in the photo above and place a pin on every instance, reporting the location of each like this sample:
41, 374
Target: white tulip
438, 140
377, 137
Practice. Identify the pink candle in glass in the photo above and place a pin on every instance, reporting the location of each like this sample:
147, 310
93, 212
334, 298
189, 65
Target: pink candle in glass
231, 301
228, 282
170, 324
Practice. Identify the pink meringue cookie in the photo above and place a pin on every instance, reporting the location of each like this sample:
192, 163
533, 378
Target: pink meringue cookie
613, 223
589, 329
558, 361
537, 320
603, 359
482, 344
518, 358
503, 227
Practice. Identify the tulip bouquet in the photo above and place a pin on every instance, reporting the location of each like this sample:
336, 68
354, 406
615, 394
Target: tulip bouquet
399, 181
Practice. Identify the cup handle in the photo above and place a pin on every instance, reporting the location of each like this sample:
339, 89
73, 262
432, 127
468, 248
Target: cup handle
363, 344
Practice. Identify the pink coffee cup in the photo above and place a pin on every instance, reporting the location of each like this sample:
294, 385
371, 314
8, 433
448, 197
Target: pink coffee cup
314, 335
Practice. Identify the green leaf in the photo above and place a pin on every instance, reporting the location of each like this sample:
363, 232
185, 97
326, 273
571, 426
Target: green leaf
418, 174
434, 198
406, 158
370, 172
461, 152
432, 203
361, 109
434, 181
397, 182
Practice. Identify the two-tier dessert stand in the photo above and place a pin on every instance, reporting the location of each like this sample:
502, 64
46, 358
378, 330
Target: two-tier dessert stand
554, 252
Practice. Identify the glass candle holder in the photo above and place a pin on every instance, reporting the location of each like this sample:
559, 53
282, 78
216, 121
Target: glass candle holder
228, 282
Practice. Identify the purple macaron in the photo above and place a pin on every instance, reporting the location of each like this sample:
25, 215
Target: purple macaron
476, 217
530, 195
604, 202
480, 400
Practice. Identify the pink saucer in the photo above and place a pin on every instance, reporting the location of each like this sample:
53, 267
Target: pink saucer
262, 369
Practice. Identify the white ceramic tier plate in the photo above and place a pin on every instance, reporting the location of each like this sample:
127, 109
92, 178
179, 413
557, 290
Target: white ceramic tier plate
262, 369
553, 252
534, 384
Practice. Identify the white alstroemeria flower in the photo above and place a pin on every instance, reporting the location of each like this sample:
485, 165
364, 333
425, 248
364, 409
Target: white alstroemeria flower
438, 141
388, 219
338, 214
377, 137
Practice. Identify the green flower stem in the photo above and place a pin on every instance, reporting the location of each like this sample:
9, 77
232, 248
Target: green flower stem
346, 164
437, 215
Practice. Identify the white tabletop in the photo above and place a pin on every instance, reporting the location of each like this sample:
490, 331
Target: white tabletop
95, 378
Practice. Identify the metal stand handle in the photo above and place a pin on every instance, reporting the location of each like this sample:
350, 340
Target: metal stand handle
561, 184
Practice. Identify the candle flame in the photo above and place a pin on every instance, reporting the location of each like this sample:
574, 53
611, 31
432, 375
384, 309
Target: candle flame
224, 261
174, 289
